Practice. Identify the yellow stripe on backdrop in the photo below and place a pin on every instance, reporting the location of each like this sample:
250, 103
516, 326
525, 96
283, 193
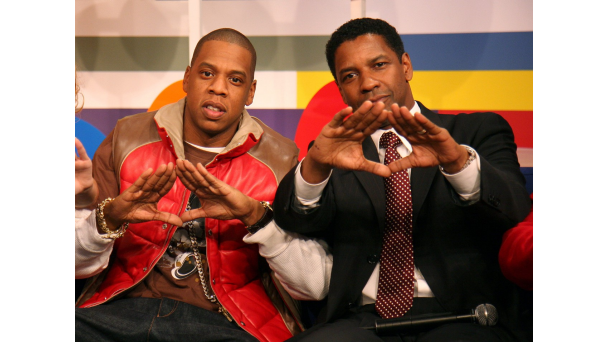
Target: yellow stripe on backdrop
449, 90
309, 82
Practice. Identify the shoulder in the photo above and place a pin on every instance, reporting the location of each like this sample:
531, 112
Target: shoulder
275, 150
136, 120
474, 123
271, 139
132, 132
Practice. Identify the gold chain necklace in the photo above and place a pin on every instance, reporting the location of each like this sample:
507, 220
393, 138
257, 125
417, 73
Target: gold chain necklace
199, 266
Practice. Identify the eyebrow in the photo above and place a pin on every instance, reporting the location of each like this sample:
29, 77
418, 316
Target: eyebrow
231, 72
371, 61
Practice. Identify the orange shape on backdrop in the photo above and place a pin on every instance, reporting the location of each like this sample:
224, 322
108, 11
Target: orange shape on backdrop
319, 111
171, 94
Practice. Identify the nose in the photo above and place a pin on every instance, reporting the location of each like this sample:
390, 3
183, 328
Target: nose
218, 86
368, 83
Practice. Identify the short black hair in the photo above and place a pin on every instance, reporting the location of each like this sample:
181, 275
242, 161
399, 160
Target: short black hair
358, 27
227, 35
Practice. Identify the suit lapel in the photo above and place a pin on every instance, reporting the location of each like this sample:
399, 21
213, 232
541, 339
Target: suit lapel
422, 178
373, 184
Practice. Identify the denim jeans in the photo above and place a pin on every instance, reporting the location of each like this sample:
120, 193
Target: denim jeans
153, 319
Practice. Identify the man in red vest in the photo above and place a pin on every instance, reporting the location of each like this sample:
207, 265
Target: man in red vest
170, 281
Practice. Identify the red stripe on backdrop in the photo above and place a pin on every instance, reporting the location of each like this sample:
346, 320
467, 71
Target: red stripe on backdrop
520, 121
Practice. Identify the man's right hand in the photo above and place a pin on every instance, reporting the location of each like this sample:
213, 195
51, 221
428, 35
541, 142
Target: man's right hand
139, 202
339, 143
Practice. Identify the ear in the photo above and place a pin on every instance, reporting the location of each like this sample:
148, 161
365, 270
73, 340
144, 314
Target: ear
185, 80
406, 63
251, 92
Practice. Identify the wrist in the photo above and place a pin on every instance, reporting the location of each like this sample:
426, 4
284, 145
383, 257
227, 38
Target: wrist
461, 163
87, 196
265, 219
108, 226
314, 172
254, 214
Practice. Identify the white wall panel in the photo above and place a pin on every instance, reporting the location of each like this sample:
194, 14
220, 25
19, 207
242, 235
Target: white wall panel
453, 16
298, 17
114, 18
124, 89
275, 89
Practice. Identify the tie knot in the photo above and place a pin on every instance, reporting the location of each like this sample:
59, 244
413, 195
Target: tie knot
389, 139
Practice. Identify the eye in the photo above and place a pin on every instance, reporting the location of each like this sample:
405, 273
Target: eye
380, 64
236, 80
349, 77
206, 73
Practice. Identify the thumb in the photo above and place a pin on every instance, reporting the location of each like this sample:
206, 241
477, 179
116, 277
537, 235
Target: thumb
376, 168
400, 164
192, 214
169, 218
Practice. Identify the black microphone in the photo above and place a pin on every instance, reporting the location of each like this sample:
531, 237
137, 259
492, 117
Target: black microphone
483, 314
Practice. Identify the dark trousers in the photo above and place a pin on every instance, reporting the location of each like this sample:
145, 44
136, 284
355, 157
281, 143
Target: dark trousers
350, 328
152, 319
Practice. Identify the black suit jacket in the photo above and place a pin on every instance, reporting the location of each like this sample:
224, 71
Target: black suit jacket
455, 244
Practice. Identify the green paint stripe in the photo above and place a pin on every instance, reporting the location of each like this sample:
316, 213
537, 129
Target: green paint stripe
132, 53
275, 53
281, 53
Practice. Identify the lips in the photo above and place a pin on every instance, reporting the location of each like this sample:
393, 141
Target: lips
378, 98
213, 110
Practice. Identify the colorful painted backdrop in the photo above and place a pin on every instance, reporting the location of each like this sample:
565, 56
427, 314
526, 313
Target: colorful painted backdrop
468, 55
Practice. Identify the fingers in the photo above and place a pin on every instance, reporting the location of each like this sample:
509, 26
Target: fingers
155, 182
164, 173
169, 184
373, 118
406, 124
82, 153
378, 121
337, 120
359, 115
198, 177
190, 176
141, 180
208, 177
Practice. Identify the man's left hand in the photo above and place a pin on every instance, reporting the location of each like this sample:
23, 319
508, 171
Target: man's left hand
431, 144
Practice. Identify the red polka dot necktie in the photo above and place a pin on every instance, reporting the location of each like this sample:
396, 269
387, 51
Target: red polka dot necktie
396, 284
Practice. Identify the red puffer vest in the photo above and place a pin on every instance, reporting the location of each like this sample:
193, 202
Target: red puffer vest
148, 140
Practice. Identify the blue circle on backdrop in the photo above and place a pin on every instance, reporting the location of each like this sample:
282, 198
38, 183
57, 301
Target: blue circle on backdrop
89, 135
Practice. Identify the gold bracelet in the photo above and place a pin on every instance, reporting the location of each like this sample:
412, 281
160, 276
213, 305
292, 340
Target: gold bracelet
101, 222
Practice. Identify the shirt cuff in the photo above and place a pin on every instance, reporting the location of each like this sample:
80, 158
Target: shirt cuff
86, 232
308, 194
272, 240
467, 182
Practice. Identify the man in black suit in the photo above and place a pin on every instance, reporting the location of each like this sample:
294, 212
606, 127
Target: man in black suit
466, 191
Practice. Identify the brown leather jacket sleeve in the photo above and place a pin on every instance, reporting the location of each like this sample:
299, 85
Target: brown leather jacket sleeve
103, 170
